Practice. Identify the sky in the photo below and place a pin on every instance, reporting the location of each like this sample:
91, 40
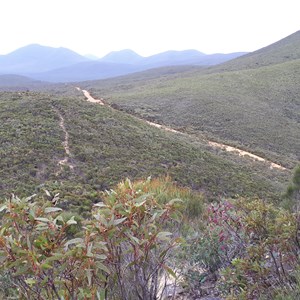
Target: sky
147, 27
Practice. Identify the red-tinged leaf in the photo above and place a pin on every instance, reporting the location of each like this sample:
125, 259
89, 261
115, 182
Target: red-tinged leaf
170, 271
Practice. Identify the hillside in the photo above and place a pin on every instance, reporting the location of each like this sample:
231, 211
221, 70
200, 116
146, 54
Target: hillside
284, 50
257, 109
105, 146
18, 82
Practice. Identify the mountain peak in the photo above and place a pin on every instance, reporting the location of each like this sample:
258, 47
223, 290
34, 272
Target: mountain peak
125, 56
37, 58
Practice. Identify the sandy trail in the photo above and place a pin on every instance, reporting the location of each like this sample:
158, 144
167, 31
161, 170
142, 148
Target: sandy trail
223, 147
244, 153
89, 97
65, 160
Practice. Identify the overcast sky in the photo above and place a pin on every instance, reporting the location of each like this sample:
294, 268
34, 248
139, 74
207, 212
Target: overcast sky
147, 27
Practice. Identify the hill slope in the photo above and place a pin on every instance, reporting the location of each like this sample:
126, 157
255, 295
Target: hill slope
257, 109
104, 147
284, 50
17, 81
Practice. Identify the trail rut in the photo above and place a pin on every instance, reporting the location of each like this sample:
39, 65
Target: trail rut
65, 161
212, 144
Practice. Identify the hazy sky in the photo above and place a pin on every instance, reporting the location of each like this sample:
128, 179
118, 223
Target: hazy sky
147, 27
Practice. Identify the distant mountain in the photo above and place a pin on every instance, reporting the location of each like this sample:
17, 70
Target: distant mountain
168, 58
36, 58
173, 58
187, 57
63, 65
126, 56
281, 51
126, 62
86, 71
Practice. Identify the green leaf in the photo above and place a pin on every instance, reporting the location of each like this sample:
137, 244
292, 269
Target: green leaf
102, 267
153, 217
52, 209
89, 250
164, 235
163, 254
101, 294
101, 219
28, 242
30, 281
55, 257
89, 276
59, 218
47, 193
119, 221
46, 266
29, 198
133, 238
170, 271
141, 200
100, 204
44, 220
73, 241
71, 221
3, 208
101, 256
174, 201
21, 270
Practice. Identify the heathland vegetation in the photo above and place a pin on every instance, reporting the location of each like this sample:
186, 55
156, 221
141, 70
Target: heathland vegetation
107, 145
256, 108
98, 204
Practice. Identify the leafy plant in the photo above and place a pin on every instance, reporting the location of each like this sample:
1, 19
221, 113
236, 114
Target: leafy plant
121, 253
253, 244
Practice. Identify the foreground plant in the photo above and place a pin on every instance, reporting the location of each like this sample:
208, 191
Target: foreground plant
133, 226
121, 253
254, 246
44, 263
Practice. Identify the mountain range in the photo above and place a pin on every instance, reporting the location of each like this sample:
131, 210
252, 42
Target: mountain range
64, 65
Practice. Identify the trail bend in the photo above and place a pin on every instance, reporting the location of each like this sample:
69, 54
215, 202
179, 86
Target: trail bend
212, 144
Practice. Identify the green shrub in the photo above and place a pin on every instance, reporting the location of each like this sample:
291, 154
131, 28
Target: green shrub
253, 245
121, 253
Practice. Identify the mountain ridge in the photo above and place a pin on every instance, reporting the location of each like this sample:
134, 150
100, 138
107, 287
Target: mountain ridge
64, 65
36, 58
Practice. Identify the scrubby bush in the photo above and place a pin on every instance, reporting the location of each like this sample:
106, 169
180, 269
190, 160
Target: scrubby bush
122, 252
252, 247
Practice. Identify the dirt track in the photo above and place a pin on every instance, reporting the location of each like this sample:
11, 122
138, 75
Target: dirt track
224, 147
65, 160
